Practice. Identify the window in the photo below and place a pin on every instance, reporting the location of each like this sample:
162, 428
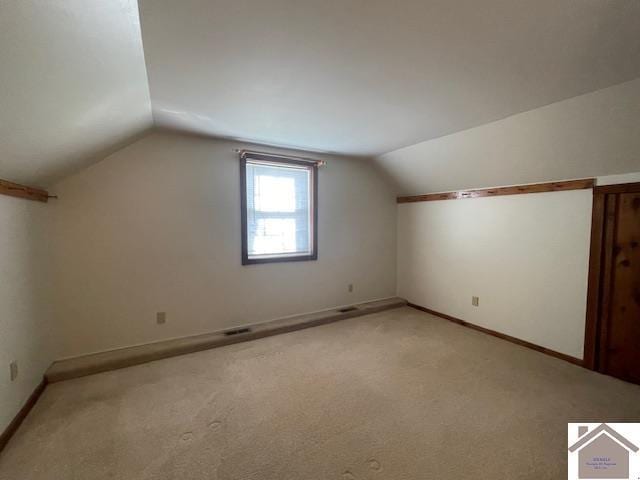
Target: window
279, 209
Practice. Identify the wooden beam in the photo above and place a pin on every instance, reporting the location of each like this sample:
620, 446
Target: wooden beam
22, 191
498, 191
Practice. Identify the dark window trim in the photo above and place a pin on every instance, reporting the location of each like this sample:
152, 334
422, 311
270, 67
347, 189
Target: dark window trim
243, 208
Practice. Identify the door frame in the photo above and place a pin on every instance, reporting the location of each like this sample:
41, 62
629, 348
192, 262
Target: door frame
603, 222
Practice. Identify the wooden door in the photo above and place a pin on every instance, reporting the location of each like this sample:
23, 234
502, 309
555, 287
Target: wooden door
616, 346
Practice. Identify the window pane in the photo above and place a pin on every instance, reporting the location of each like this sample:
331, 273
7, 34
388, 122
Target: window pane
278, 210
275, 194
274, 235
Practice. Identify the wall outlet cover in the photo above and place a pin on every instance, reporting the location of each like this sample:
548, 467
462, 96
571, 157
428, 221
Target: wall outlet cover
161, 318
475, 301
13, 369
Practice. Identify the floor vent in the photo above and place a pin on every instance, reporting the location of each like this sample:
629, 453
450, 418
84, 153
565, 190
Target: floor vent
237, 332
347, 309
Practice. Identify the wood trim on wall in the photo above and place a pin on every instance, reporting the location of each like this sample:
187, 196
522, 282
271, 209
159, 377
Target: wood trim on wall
22, 414
22, 191
499, 191
593, 289
606, 279
619, 188
503, 336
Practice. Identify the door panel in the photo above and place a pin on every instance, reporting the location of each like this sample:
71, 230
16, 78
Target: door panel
620, 328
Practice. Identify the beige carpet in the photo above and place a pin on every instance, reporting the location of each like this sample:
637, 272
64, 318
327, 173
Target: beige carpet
395, 395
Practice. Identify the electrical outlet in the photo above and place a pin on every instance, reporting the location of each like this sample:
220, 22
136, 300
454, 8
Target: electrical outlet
13, 368
475, 301
161, 318
350, 288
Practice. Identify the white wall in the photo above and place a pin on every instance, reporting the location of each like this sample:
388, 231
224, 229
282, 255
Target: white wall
156, 227
631, 177
525, 256
26, 330
591, 135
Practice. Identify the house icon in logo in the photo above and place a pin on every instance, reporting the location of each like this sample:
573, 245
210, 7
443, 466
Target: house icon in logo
603, 453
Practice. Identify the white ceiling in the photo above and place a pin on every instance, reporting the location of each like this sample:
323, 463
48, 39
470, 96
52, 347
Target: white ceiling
73, 85
359, 77
592, 135
369, 76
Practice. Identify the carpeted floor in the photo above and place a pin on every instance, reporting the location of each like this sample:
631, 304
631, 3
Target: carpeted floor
394, 395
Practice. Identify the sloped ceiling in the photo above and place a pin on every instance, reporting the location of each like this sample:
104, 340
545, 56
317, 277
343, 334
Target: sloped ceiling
366, 77
360, 77
73, 85
593, 135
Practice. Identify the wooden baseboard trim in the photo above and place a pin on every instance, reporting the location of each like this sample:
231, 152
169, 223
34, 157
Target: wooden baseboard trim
127, 357
503, 336
22, 414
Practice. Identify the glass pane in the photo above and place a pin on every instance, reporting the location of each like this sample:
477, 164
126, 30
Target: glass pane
278, 210
275, 194
274, 235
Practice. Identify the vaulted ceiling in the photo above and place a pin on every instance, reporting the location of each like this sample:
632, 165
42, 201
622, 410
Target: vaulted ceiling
366, 77
360, 77
593, 135
73, 85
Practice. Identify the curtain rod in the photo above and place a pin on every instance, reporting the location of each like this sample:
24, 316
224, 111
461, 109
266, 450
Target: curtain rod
243, 152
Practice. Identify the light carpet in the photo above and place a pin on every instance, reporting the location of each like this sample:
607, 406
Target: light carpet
394, 395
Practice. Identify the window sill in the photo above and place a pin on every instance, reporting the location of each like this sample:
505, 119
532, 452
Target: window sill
292, 258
